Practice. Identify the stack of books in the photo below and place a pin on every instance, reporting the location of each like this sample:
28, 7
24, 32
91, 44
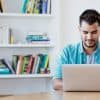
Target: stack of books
37, 38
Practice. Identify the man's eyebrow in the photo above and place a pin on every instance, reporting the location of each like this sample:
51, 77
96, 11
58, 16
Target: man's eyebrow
90, 32
85, 31
94, 31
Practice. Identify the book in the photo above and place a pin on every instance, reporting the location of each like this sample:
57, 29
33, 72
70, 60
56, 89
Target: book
31, 37
11, 6
44, 6
14, 62
4, 71
1, 8
36, 7
34, 64
4, 67
30, 6
44, 60
9, 66
2, 64
36, 67
24, 7
40, 43
40, 6
30, 65
19, 64
26, 60
49, 7
11, 41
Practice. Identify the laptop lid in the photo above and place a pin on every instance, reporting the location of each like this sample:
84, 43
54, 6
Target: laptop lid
81, 77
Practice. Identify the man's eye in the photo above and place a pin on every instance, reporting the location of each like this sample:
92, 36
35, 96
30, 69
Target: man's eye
95, 32
85, 32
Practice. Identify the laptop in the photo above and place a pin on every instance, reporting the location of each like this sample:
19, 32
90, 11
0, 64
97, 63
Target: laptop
81, 77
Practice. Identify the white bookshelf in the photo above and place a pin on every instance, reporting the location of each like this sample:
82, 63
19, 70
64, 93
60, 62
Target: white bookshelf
27, 46
21, 24
26, 15
12, 76
24, 84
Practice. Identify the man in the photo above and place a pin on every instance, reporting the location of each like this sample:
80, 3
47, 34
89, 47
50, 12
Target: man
85, 52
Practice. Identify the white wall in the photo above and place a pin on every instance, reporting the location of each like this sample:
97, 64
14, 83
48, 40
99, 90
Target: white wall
70, 11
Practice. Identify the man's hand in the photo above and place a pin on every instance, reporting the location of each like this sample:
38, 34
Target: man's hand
57, 84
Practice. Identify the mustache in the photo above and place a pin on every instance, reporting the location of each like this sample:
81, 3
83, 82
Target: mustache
91, 40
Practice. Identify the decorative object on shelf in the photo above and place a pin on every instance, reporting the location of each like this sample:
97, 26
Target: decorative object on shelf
4, 34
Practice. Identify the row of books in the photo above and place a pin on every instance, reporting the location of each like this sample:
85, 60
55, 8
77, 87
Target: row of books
28, 6
27, 64
37, 6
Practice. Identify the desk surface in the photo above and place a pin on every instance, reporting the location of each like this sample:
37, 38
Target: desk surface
56, 96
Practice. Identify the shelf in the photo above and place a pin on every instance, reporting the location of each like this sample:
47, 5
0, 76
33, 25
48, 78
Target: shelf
26, 76
26, 45
25, 15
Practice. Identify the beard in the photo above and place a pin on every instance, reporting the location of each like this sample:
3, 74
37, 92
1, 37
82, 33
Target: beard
90, 43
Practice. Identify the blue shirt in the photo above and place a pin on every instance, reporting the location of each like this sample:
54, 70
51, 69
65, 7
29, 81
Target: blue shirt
74, 54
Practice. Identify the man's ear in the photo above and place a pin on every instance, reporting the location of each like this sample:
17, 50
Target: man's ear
99, 30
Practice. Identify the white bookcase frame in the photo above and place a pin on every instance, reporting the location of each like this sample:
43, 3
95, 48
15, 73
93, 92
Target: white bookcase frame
19, 84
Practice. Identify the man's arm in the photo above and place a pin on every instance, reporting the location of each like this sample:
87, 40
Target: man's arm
57, 84
57, 78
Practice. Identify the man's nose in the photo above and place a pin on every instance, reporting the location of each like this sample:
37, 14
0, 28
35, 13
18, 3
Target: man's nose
89, 36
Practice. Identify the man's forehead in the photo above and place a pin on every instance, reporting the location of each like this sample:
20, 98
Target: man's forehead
86, 24
87, 27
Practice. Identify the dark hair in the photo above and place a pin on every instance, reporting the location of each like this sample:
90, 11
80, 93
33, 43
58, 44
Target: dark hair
90, 16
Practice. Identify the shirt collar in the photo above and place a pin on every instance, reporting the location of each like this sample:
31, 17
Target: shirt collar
98, 48
81, 48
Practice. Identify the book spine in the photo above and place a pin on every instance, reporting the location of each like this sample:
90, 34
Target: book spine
14, 62
36, 6
19, 65
49, 7
30, 6
44, 6
24, 7
1, 7
30, 65
9, 66
25, 63
37, 65
11, 41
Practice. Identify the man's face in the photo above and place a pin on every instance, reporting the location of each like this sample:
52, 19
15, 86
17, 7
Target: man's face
89, 34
